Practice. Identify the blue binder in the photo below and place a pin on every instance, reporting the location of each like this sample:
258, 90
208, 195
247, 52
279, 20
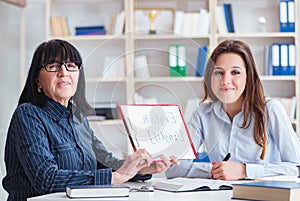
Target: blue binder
287, 15
291, 59
275, 52
201, 61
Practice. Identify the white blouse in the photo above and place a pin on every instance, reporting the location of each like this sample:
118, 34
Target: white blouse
210, 126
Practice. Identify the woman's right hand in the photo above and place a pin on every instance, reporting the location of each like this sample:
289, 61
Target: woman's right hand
131, 166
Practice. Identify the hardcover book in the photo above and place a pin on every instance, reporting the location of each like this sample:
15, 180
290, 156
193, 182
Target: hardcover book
268, 190
97, 191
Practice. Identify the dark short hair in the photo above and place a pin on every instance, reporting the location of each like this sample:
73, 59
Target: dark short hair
47, 52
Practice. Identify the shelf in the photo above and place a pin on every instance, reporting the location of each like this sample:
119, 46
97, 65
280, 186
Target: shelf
107, 80
258, 35
168, 37
96, 49
91, 37
170, 79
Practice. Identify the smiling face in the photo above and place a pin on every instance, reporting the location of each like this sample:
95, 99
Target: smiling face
228, 79
59, 86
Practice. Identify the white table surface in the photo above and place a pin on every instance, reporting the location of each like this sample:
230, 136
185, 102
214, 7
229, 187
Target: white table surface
157, 195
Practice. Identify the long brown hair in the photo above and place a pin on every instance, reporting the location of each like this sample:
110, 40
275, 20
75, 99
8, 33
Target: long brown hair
254, 104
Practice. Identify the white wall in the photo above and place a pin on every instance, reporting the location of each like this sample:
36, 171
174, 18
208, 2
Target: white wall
10, 18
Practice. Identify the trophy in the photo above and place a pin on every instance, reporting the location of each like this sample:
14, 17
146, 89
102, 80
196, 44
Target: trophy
152, 15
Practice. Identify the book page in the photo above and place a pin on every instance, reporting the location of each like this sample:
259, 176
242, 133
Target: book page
158, 128
190, 184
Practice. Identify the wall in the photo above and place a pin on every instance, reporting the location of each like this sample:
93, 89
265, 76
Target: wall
10, 18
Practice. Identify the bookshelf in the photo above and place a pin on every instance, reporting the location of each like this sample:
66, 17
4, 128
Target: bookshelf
132, 43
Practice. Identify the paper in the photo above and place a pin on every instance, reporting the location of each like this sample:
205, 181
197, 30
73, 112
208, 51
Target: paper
160, 129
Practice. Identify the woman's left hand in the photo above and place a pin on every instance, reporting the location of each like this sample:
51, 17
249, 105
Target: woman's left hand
159, 166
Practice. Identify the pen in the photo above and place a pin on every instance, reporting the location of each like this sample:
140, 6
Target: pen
227, 157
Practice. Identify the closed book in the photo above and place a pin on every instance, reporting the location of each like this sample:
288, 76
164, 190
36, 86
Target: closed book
96, 27
97, 191
267, 190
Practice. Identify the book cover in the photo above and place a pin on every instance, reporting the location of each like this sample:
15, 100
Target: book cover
289, 178
97, 191
159, 128
268, 190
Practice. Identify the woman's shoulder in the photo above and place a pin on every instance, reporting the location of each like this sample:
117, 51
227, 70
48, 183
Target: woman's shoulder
272, 102
274, 105
26, 107
205, 107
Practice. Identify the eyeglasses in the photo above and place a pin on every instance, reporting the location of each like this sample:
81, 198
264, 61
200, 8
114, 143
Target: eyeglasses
56, 66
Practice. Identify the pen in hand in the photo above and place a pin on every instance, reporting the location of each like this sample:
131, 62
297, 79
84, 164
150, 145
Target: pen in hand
227, 157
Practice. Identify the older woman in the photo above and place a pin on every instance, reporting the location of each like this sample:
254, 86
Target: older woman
50, 144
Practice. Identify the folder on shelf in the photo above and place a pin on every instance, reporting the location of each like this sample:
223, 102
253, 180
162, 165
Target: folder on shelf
275, 59
284, 59
291, 15
119, 23
159, 128
292, 59
173, 60
178, 22
141, 68
220, 20
283, 16
201, 60
181, 60
229, 17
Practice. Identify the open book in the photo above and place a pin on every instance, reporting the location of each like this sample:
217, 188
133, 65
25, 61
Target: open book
193, 184
159, 128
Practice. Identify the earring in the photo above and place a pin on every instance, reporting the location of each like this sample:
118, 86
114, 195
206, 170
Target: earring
39, 89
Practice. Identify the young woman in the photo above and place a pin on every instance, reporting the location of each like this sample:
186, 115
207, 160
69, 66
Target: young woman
49, 142
235, 117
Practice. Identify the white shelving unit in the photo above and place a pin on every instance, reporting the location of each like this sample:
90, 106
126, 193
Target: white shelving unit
167, 89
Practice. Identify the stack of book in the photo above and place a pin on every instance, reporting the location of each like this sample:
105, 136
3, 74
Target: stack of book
90, 30
59, 26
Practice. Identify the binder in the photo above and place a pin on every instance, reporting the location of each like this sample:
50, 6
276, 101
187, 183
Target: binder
283, 70
173, 60
181, 60
275, 58
291, 59
283, 16
201, 61
229, 17
291, 16
226, 17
